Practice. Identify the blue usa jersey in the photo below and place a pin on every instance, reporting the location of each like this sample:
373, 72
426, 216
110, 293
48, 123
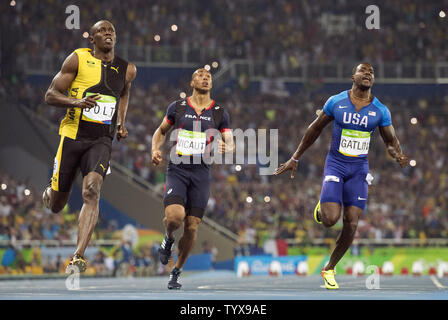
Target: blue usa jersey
352, 130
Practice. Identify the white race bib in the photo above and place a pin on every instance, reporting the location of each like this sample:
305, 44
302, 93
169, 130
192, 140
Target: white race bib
190, 142
354, 143
103, 112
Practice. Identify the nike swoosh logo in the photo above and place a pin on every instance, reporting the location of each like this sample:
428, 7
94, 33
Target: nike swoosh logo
359, 198
331, 285
342, 107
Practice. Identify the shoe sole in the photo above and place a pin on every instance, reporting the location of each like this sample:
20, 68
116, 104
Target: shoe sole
174, 288
46, 198
163, 261
315, 213
164, 258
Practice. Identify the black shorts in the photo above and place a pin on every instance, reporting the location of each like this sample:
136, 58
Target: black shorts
85, 155
189, 186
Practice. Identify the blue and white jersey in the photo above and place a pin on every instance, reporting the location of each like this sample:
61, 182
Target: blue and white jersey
352, 130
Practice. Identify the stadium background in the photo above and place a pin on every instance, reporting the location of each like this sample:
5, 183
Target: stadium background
274, 64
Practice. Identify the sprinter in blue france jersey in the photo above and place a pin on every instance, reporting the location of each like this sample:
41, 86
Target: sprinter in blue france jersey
356, 114
187, 187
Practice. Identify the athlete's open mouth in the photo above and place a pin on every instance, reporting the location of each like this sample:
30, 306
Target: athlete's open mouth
367, 78
108, 40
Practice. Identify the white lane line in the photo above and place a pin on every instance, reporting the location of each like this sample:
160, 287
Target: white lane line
437, 283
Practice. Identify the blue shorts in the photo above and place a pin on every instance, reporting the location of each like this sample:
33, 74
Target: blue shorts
345, 182
188, 186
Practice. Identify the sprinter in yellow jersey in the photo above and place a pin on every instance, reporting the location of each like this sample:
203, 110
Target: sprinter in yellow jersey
97, 83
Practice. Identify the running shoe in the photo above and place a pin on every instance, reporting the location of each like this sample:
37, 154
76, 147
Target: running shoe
79, 262
330, 282
165, 250
46, 197
174, 276
316, 211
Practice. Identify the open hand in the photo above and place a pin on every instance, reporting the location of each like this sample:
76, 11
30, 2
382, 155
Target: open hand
288, 165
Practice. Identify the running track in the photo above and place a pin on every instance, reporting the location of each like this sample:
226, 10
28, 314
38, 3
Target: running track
224, 285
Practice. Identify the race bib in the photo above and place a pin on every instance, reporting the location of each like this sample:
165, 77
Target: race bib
190, 142
103, 112
354, 143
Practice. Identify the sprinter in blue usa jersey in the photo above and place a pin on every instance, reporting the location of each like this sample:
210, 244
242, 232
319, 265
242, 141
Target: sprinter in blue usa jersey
356, 114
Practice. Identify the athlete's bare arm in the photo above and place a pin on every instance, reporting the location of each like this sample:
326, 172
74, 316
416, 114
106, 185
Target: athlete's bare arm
157, 141
226, 144
131, 72
55, 94
393, 145
312, 133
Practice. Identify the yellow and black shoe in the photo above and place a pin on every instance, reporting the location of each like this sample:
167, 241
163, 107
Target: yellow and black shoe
316, 213
330, 282
79, 262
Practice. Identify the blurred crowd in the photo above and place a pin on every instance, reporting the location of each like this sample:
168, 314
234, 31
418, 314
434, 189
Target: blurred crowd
285, 32
24, 219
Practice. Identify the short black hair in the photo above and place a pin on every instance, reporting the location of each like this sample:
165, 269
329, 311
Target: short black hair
356, 66
192, 75
92, 30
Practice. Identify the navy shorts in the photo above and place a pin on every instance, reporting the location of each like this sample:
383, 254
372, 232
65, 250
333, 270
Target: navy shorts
188, 186
345, 182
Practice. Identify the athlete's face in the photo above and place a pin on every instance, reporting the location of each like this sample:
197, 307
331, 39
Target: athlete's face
202, 80
364, 76
103, 35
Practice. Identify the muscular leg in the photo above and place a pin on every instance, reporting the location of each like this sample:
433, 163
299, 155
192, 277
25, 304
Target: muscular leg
88, 217
174, 215
329, 213
345, 239
56, 200
66, 165
188, 239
